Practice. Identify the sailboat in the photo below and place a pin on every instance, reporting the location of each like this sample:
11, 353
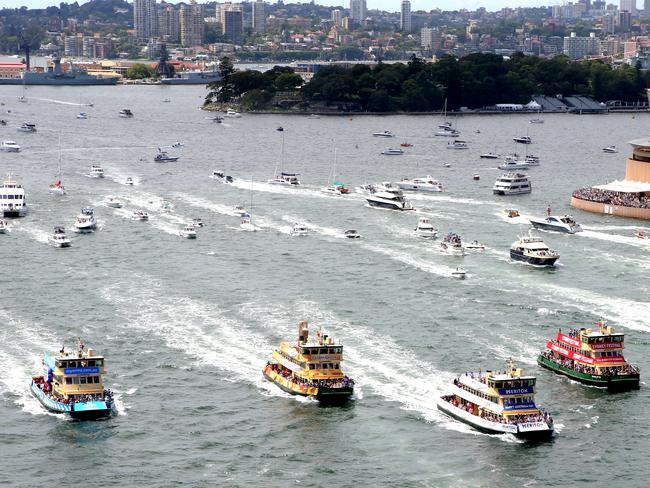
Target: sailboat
247, 217
57, 187
334, 187
23, 98
447, 128
282, 178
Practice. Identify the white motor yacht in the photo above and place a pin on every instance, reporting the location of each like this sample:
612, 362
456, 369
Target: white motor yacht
163, 157
232, 114
13, 202
389, 151
385, 133
425, 183
532, 250
475, 246
489, 155
286, 179
537, 120
523, 140
425, 229
452, 244
352, 234
114, 202
140, 215
85, 221
59, 238
448, 133
247, 223
512, 184
128, 181
511, 163
564, 223
299, 230
390, 198
125, 113
27, 127
610, 149
459, 273
457, 144
4, 227
188, 231
96, 171
9, 146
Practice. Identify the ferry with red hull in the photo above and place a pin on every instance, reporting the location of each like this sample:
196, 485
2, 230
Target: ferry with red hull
591, 356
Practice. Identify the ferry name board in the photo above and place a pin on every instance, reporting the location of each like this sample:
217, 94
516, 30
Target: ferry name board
516, 391
528, 426
80, 370
576, 356
86, 406
607, 345
568, 340
325, 357
519, 406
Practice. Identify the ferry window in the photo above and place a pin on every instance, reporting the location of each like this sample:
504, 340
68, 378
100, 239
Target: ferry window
322, 350
82, 380
91, 363
312, 366
325, 366
96, 379
68, 381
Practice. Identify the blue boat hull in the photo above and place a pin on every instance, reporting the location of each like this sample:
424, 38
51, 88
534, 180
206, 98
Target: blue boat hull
79, 410
517, 256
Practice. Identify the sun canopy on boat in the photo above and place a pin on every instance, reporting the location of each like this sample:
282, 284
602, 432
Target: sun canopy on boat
625, 186
290, 174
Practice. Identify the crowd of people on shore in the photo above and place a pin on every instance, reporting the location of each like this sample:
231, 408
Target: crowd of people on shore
342, 382
635, 200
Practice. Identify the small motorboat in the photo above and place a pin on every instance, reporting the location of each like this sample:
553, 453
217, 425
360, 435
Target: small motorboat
128, 181
352, 234
163, 157
476, 177
459, 273
457, 144
239, 210
389, 151
96, 171
198, 222
385, 133
82, 115
217, 118
222, 177
336, 188
406, 144
59, 238
447, 165
537, 120
125, 113
280, 129
166, 100
475, 246
299, 230
425, 229
4, 227
523, 140
113, 202
452, 244
448, 132
489, 155
511, 213
9, 146
558, 223
510, 163
639, 234
85, 221
27, 127
610, 149
188, 231
314, 116
247, 223
178, 144
140, 215
232, 114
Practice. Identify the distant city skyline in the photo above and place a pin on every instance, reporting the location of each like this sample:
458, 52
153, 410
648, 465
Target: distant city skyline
387, 5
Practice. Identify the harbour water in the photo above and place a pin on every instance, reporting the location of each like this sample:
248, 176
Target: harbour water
186, 326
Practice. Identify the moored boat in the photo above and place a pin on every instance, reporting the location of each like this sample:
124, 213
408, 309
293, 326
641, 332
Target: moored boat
72, 384
310, 368
457, 144
498, 403
385, 133
125, 113
591, 356
523, 140
425, 183
27, 127
389, 151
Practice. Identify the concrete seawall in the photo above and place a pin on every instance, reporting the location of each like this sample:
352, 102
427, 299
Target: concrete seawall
603, 208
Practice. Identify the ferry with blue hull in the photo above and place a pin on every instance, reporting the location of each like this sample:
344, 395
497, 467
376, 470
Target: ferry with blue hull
72, 384
310, 368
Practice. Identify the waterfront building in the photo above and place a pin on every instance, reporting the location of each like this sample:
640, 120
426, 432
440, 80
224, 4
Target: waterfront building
145, 19
169, 27
336, 17
430, 38
628, 6
405, 16
233, 22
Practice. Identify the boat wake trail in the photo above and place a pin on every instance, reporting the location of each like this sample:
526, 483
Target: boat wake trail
205, 204
617, 238
38, 235
324, 231
410, 260
60, 102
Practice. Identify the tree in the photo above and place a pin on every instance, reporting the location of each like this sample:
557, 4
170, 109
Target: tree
140, 71
256, 99
222, 90
288, 81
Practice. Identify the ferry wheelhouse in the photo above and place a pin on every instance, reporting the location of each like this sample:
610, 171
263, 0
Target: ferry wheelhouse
310, 368
498, 403
72, 384
594, 357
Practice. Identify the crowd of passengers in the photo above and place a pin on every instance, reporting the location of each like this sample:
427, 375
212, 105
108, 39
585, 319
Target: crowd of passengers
343, 382
492, 417
46, 388
635, 200
581, 368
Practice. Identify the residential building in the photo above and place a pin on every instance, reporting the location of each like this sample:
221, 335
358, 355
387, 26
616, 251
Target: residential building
628, 6
233, 23
145, 19
336, 17
580, 47
358, 10
192, 24
169, 27
259, 17
625, 21
430, 38
405, 16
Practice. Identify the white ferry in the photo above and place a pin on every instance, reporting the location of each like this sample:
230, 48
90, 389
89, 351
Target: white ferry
12, 199
498, 403
512, 184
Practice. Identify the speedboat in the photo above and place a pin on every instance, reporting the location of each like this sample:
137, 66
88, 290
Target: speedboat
489, 155
457, 144
389, 151
512, 184
385, 133
140, 215
198, 222
426, 183
390, 198
239, 210
128, 181
475, 246
125, 113
476, 177
9, 146
452, 244
3, 226
82, 115
511, 213
299, 230
96, 171
459, 273
425, 229
352, 234
217, 118
163, 157
222, 177
448, 132
188, 231
335, 189
557, 223
114, 202
59, 238
532, 250
232, 114
537, 120
406, 144
639, 234
287, 179
610, 149
523, 140
247, 223
85, 221
27, 127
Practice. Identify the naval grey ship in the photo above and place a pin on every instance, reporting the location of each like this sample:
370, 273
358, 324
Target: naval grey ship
56, 76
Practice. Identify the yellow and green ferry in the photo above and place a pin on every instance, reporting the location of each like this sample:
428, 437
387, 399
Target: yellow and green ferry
591, 356
72, 384
498, 402
310, 368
